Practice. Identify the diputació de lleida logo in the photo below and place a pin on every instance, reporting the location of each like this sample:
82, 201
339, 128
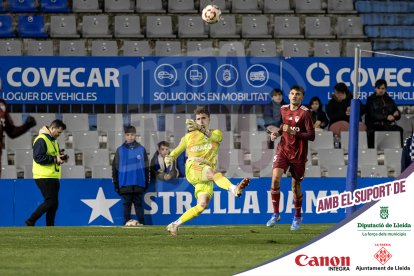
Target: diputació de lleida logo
384, 212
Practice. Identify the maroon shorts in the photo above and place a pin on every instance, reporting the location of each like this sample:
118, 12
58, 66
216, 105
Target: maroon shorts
297, 169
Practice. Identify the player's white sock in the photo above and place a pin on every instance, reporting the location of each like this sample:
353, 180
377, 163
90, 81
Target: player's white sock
232, 189
178, 222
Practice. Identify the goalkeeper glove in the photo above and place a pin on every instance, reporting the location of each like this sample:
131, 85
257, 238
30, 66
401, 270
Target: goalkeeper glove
192, 126
168, 160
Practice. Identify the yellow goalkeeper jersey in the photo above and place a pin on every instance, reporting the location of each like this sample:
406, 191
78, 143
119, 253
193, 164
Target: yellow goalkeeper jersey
200, 146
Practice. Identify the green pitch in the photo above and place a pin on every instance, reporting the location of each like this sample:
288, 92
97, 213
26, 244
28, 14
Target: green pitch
209, 250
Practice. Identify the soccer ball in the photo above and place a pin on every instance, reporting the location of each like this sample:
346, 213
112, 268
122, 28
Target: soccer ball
211, 14
132, 223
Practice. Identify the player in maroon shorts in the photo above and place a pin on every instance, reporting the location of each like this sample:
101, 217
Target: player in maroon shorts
296, 130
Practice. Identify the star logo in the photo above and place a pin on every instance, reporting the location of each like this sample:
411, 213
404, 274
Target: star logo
100, 206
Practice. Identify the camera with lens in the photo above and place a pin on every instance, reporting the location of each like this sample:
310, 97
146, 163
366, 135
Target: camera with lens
64, 156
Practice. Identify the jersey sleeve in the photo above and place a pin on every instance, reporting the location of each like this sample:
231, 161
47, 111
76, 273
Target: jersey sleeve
180, 148
309, 134
216, 135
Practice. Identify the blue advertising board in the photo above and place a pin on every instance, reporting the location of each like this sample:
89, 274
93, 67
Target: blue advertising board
94, 202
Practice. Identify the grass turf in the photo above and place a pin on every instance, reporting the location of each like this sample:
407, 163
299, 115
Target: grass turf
198, 250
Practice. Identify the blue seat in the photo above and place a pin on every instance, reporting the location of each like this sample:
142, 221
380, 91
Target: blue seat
387, 19
54, 6
384, 7
2, 6
390, 31
22, 6
32, 26
6, 26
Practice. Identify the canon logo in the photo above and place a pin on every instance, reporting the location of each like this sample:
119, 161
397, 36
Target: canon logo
303, 260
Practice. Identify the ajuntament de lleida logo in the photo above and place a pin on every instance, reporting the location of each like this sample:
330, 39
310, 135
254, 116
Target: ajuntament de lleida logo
384, 212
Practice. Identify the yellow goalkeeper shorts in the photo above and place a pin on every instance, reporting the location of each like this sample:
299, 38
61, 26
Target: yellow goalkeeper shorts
196, 174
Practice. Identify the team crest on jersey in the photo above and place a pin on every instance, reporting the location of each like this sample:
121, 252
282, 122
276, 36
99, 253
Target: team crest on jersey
296, 119
290, 118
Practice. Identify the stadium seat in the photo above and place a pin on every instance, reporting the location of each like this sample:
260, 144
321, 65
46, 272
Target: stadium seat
3, 7
260, 159
407, 123
387, 140
362, 140
31, 26
136, 48
83, 140
150, 139
110, 122
351, 45
218, 121
40, 48
95, 26
115, 139
6, 26
349, 27
181, 6
328, 157
72, 48
159, 26
102, 172
55, 6
175, 125
10, 48
28, 171
219, 3
21, 6
295, 48
336, 171
373, 171
124, 6
323, 140
392, 160
42, 119
308, 6
144, 122
245, 6
108, 48
191, 27
367, 157
63, 26
127, 26
251, 141
263, 49
73, 171
95, 157
23, 157
327, 49
341, 6
76, 122
17, 118
167, 48
88, 6
200, 48
8, 172
71, 154
149, 6
277, 6
24, 141
313, 171
239, 171
225, 28
287, 27
255, 27
318, 27
231, 48
243, 122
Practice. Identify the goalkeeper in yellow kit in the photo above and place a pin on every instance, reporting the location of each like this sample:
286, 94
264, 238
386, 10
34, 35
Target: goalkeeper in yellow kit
202, 146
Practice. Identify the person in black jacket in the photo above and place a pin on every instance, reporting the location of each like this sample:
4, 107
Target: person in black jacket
381, 113
158, 168
130, 174
319, 118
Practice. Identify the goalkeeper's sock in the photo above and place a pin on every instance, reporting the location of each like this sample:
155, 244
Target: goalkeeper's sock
298, 205
191, 213
178, 222
222, 181
275, 194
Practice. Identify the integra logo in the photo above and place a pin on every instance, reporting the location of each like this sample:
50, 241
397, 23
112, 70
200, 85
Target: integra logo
334, 263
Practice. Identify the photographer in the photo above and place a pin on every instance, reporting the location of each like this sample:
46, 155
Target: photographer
47, 161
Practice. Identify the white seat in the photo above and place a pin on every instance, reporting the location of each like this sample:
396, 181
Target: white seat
318, 27
127, 26
392, 160
253, 141
28, 171
190, 26
277, 6
218, 121
110, 122
227, 157
235, 171
175, 126
8, 172
255, 26
367, 157
231, 48
349, 27
373, 171
327, 49
295, 48
313, 171
83, 140
73, 172
17, 118
245, 6
136, 48
243, 122
308, 6
72, 48
115, 139
336, 171
39, 48
159, 26
219, 3
327, 157
225, 28
362, 140
150, 139
86, 6
43, 119
200, 48
119, 6
181, 6
387, 140
63, 26
25, 141
323, 140
262, 161
167, 48
23, 157
341, 6
10, 48
263, 49
144, 122
102, 172
95, 157
95, 26
76, 121
104, 48
287, 27
351, 45
149, 6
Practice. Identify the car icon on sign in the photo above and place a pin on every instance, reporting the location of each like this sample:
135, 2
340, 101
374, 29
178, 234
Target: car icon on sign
165, 75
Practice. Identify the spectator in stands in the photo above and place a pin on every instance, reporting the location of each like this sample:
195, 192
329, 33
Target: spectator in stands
339, 110
382, 113
407, 156
271, 111
7, 125
319, 118
158, 168
130, 174
47, 161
